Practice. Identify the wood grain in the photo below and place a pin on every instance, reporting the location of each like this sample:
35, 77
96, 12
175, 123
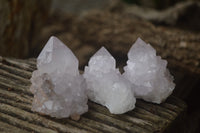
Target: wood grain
16, 114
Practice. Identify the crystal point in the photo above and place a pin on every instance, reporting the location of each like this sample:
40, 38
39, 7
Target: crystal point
58, 88
148, 73
105, 84
102, 52
56, 52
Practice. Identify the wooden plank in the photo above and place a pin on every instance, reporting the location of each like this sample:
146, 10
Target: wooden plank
16, 99
7, 128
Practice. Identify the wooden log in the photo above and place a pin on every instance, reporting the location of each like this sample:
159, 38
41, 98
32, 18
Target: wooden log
20, 21
16, 113
7, 128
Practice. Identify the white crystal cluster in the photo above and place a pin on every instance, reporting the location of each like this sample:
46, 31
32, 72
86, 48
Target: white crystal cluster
148, 73
105, 84
59, 90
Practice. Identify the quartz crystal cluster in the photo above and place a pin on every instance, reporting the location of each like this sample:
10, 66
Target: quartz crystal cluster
59, 90
148, 74
105, 84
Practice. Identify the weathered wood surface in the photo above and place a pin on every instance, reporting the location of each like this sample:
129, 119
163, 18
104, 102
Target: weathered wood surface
16, 115
20, 21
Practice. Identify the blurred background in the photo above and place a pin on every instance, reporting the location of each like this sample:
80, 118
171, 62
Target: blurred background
172, 27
